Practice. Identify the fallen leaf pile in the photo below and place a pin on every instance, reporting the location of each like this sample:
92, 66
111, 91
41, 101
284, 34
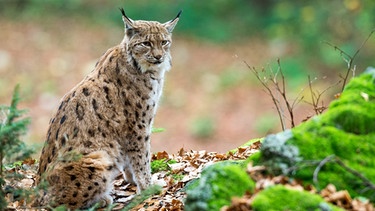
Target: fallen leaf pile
188, 166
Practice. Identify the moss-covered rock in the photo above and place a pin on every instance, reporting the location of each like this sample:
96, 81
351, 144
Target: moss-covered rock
217, 185
278, 198
346, 131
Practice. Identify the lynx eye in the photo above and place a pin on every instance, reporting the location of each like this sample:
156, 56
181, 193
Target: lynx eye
146, 43
164, 42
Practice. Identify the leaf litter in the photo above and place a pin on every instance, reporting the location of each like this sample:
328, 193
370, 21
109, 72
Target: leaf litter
188, 165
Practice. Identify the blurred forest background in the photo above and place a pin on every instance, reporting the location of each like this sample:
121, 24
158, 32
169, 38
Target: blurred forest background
211, 100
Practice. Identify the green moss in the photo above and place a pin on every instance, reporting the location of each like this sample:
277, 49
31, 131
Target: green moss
347, 131
254, 158
249, 143
217, 185
354, 112
278, 197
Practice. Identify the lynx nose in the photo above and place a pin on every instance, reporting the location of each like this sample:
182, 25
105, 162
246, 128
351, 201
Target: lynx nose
158, 57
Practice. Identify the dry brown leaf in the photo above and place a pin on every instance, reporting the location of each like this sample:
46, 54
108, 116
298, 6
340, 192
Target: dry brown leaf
181, 152
342, 196
162, 155
241, 149
29, 161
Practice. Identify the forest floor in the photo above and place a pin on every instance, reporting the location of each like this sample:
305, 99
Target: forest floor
187, 165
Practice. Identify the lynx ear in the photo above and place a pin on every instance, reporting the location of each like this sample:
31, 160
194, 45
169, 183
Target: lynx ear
172, 23
129, 24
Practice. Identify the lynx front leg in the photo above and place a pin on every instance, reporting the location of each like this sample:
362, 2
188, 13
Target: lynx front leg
139, 166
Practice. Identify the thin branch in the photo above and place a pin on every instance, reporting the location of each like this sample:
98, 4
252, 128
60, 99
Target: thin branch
349, 59
278, 93
316, 97
317, 169
333, 158
366, 181
269, 91
282, 92
312, 94
363, 44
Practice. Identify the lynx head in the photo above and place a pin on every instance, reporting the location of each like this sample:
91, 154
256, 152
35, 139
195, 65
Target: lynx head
148, 43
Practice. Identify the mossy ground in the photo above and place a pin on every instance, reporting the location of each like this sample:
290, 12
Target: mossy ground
278, 197
347, 131
217, 185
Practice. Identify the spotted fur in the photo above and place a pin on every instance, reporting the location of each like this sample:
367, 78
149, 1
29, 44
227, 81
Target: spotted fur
102, 127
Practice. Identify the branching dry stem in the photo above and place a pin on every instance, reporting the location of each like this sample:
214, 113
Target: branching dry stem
280, 90
276, 102
316, 97
349, 59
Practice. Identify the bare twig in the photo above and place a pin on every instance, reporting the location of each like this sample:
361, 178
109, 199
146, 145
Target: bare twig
349, 59
269, 91
317, 169
283, 94
316, 97
332, 158
313, 102
278, 92
366, 181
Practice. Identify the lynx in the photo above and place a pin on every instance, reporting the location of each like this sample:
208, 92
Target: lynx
103, 125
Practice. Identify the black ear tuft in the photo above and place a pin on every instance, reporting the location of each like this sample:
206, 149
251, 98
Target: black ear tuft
172, 23
178, 15
122, 11
128, 22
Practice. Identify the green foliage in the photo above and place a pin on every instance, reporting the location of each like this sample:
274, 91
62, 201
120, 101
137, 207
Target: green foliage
157, 130
161, 165
278, 197
294, 28
217, 185
304, 24
177, 177
13, 165
12, 127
